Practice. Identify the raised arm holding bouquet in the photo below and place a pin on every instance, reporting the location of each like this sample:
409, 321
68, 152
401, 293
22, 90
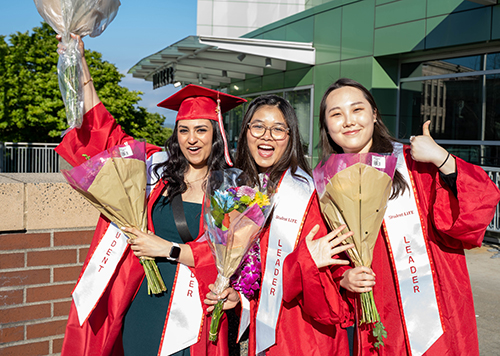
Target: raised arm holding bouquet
439, 205
298, 310
78, 18
123, 318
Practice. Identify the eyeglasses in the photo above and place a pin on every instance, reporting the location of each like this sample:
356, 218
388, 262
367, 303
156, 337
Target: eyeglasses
258, 130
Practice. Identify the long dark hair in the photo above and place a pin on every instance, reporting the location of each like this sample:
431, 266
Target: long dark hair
382, 141
177, 165
292, 158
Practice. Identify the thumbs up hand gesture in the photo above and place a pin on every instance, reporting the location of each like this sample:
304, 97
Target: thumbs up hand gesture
425, 149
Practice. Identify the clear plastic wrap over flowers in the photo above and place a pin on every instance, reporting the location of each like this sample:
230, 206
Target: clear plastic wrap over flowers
234, 214
79, 17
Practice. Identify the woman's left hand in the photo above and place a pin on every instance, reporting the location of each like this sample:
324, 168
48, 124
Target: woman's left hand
425, 149
232, 298
322, 250
147, 244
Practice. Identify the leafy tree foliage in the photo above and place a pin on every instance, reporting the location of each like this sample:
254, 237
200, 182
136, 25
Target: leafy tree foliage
31, 106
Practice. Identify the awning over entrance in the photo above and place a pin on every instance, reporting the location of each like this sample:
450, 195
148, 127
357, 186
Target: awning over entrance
214, 61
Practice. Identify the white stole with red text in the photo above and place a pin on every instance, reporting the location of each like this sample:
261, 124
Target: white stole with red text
106, 256
413, 264
293, 197
185, 314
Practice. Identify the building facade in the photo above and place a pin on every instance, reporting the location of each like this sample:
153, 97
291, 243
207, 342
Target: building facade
421, 59
235, 18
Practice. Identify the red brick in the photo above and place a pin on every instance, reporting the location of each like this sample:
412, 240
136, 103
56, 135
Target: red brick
52, 292
53, 257
64, 274
34, 349
57, 345
11, 334
31, 312
73, 238
24, 277
11, 260
62, 308
50, 328
11, 297
82, 254
24, 241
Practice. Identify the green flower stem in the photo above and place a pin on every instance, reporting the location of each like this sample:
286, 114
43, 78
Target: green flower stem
214, 325
69, 82
155, 281
370, 315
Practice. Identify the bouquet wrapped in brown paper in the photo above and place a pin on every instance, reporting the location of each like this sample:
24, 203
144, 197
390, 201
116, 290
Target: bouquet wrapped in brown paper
354, 189
114, 181
234, 214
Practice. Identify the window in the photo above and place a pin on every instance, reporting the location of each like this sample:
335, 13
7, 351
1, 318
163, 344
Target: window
462, 101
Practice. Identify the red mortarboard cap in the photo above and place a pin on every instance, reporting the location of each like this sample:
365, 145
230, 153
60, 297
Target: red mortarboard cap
195, 102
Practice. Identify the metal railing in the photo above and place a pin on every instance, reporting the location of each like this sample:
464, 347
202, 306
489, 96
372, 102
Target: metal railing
23, 157
494, 174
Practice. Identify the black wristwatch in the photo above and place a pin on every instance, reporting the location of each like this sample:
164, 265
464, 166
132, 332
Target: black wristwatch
175, 252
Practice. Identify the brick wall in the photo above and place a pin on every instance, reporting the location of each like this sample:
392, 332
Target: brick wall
38, 271
41, 262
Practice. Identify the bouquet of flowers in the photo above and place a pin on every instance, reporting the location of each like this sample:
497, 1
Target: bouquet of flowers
354, 190
79, 17
114, 181
233, 216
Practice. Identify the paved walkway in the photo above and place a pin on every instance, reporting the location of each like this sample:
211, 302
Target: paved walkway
484, 273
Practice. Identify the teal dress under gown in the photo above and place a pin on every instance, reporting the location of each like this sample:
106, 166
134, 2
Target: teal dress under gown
144, 321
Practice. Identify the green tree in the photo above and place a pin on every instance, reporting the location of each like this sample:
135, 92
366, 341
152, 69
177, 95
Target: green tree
31, 106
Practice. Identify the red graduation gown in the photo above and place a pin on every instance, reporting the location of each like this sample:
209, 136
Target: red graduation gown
452, 225
312, 309
101, 333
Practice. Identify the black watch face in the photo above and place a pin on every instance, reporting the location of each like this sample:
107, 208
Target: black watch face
175, 252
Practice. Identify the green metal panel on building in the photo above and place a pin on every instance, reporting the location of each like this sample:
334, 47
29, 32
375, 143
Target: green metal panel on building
495, 23
299, 77
459, 28
400, 38
327, 36
445, 7
357, 29
395, 12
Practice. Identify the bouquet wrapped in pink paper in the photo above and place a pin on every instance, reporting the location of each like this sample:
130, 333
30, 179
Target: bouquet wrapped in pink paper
354, 189
79, 17
114, 181
234, 214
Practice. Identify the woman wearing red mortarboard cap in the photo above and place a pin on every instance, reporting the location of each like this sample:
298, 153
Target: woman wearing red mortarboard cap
126, 320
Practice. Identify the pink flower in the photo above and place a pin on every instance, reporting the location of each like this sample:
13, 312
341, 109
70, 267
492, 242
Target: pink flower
247, 278
246, 190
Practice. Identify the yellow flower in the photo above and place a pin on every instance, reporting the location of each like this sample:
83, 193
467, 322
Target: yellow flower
260, 199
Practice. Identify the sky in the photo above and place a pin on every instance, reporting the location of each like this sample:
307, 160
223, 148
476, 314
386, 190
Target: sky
141, 28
